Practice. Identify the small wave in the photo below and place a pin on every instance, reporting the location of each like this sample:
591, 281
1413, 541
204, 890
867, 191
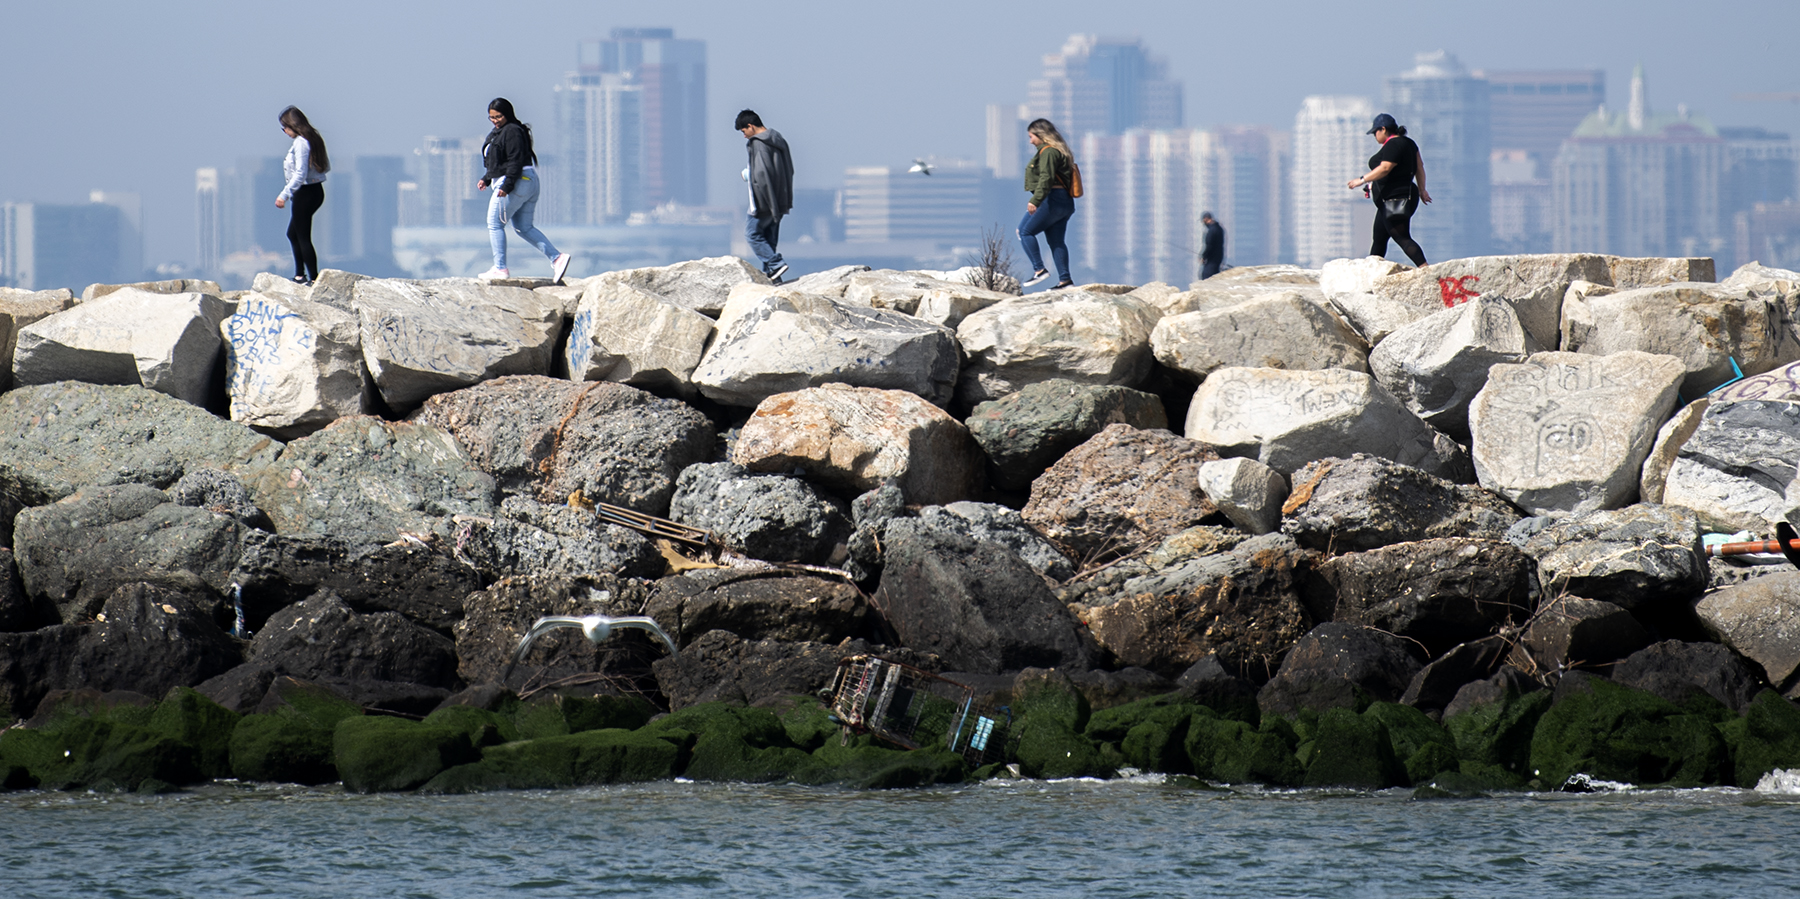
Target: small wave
1583, 783
1780, 780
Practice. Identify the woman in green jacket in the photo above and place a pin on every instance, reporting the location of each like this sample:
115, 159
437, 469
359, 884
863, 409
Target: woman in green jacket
1047, 177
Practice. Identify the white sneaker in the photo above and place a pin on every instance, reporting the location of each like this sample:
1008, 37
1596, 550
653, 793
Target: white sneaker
493, 274
559, 267
1038, 278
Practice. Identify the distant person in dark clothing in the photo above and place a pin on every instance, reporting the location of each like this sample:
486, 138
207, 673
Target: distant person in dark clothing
1212, 253
771, 177
1392, 172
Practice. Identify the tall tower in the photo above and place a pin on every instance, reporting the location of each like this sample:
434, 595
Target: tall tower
669, 75
1330, 148
1445, 111
1105, 86
207, 246
599, 116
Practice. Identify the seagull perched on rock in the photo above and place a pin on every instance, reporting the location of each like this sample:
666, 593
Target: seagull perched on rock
595, 627
919, 167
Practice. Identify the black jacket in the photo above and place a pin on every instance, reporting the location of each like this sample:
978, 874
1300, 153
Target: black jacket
1214, 248
771, 174
506, 152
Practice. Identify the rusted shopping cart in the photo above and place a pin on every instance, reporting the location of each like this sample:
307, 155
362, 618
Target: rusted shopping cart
913, 708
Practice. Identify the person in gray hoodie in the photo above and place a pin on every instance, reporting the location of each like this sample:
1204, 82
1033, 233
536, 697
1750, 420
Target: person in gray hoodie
771, 177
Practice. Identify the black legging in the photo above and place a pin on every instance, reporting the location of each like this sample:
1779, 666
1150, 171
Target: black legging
305, 202
1397, 223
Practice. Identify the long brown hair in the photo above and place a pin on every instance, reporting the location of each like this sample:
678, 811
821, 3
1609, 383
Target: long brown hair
1047, 133
294, 120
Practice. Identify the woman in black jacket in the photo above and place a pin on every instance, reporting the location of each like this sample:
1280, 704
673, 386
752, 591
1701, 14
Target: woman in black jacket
512, 170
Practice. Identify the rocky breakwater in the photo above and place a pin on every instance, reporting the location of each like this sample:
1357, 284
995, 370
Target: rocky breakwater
1438, 529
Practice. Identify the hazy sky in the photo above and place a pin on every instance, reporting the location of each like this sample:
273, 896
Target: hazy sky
133, 96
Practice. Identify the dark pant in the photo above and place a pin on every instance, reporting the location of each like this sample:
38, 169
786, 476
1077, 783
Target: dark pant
1208, 268
304, 203
1051, 220
1393, 218
763, 235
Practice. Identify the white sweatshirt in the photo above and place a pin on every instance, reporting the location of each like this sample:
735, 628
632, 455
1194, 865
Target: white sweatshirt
298, 168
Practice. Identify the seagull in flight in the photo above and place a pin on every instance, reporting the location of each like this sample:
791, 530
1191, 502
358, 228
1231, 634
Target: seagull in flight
919, 167
595, 627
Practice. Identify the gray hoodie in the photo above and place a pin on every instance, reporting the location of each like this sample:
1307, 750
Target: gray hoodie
771, 174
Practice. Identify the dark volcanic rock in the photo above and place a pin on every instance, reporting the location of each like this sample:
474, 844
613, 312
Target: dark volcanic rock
1242, 605
1440, 592
998, 524
975, 604
323, 639
496, 619
1024, 433
1119, 490
548, 438
764, 516
76, 552
1340, 666
1634, 557
532, 537
1438, 682
758, 605
722, 667
1569, 632
20, 611
222, 492
1365, 502
421, 582
1675, 671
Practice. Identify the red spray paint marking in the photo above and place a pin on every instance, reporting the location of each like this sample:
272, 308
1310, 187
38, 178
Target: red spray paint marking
1456, 290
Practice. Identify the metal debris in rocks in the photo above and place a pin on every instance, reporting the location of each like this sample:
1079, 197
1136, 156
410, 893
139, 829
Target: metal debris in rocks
913, 708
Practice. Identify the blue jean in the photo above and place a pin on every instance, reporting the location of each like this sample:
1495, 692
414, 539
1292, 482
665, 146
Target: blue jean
1051, 220
763, 236
518, 206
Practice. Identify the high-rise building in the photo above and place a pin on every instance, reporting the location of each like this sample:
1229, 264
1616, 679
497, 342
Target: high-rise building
1446, 112
376, 206
888, 203
599, 116
208, 236
131, 229
1519, 206
44, 246
1640, 184
1533, 112
248, 219
1330, 148
1105, 86
1007, 147
1759, 168
448, 168
1768, 233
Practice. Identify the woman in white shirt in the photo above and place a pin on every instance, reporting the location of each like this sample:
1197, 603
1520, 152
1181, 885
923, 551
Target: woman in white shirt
305, 168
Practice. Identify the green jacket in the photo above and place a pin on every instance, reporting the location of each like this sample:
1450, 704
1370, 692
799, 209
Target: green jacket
1048, 169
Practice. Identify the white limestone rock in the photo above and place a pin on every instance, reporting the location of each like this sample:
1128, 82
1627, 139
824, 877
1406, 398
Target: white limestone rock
1706, 327
1567, 432
178, 285
631, 336
1436, 365
828, 283
1734, 470
1348, 277
1535, 285
1247, 491
19, 308
1280, 329
421, 338
1627, 272
1670, 438
1072, 334
292, 366
698, 284
168, 342
778, 340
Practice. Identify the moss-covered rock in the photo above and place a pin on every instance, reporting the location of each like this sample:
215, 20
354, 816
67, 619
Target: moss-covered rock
98, 753
1149, 734
380, 754
1493, 740
1231, 751
808, 722
318, 705
282, 748
732, 743
1423, 745
190, 718
1615, 732
1765, 738
1047, 748
589, 758
483, 727
865, 765
1352, 750
1047, 695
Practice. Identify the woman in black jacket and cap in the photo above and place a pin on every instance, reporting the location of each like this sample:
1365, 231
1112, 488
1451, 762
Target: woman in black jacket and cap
1392, 171
512, 170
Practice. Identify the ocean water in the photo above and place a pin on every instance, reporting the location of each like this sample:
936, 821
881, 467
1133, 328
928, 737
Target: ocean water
1139, 836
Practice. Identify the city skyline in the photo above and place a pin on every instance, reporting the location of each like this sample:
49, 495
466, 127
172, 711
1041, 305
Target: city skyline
864, 114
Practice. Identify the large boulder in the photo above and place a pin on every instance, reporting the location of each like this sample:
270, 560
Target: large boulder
292, 366
19, 611
1636, 558
496, 619
1285, 419
1241, 607
173, 285
778, 341
527, 536
425, 583
975, 604
1708, 328
421, 338
1436, 365
1760, 620
1119, 490
1734, 468
1248, 492
1438, 592
1670, 438
1568, 432
1366, 502
765, 516
722, 667
166, 342
1677, 671
852, 439
1626, 272
1024, 433
701, 285
758, 605
1283, 329
371, 480
627, 335
76, 552
938, 300
548, 439
999, 524
321, 638
1534, 284
57, 438
1075, 335
1569, 632
1340, 666
19, 308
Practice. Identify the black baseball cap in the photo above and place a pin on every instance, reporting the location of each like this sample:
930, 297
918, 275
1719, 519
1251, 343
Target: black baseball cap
1383, 121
